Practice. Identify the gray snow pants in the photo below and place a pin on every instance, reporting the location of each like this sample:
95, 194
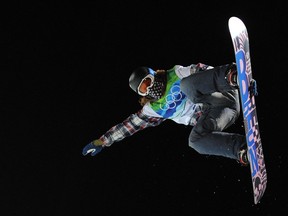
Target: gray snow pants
222, 109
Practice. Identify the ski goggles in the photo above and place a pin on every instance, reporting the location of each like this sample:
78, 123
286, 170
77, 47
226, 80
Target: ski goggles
145, 85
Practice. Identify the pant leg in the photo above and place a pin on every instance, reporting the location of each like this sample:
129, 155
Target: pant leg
207, 136
205, 83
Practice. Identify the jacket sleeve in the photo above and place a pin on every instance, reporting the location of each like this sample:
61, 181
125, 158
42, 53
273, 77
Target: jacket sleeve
185, 71
134, 123
200, 67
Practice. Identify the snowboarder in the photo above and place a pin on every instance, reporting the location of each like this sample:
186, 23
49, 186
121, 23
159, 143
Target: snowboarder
199, 95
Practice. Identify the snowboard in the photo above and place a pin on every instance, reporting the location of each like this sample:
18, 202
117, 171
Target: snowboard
248, 91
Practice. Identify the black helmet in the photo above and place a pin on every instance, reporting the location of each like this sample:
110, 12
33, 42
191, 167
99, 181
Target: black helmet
138, 75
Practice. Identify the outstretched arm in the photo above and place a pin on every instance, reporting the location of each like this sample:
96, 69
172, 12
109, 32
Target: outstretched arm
134, 123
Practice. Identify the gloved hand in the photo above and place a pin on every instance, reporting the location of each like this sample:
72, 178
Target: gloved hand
93, 147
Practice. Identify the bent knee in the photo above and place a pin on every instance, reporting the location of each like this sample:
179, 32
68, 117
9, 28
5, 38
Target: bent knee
196, 146
194, 142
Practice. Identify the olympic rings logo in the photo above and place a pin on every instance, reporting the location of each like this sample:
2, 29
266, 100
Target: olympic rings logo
173, 99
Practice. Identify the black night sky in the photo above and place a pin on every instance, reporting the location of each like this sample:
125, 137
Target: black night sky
64, 83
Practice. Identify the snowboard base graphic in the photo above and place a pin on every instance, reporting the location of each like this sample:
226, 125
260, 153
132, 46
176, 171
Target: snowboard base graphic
248, 91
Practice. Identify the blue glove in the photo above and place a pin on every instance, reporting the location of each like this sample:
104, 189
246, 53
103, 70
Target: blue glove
91, 148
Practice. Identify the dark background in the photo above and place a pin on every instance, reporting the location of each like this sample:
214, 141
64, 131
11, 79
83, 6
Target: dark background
64, 83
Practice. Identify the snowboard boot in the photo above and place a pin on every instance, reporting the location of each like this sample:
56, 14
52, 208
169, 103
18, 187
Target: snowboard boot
243, 157
231, 76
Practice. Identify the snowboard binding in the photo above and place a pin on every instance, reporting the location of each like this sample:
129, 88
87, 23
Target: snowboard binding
253, 87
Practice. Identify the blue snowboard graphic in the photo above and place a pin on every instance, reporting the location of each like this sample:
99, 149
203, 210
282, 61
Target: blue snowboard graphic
247, 90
